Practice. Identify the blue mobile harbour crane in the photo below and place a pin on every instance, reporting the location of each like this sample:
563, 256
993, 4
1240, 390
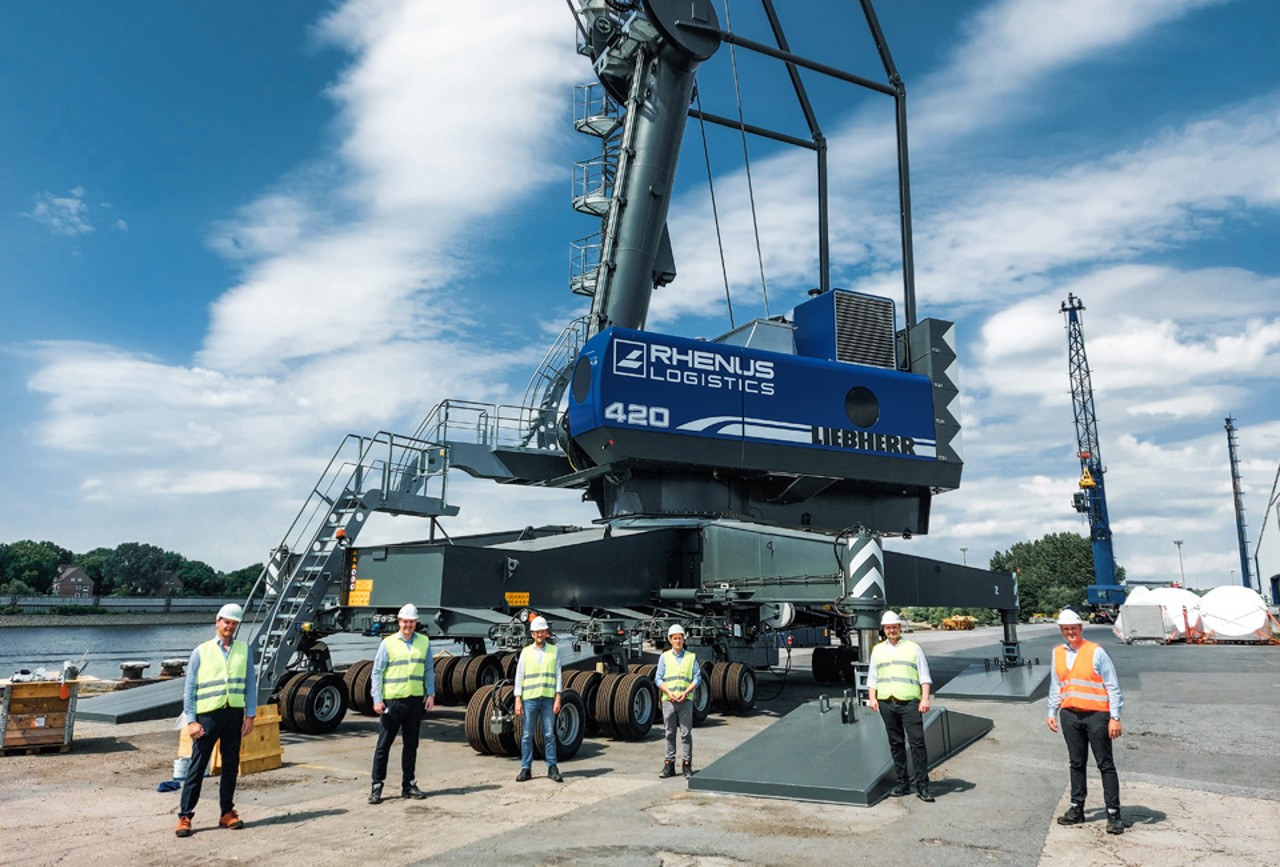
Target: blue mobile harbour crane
1091, 499
743, 483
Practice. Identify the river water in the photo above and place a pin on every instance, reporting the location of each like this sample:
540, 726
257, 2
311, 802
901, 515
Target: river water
33, 647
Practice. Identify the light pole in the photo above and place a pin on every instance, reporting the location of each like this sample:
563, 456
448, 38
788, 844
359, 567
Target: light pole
964, 556
1182, 576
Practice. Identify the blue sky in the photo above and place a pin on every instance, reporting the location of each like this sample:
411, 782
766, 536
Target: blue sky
231, 234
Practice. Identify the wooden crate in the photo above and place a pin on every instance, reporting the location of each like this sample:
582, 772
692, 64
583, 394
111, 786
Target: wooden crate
260, 751
37, 716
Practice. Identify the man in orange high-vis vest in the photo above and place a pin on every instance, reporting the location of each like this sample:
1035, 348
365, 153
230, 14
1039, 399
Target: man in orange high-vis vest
1085, 693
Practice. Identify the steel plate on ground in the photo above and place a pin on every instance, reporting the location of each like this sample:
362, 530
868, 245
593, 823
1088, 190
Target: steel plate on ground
842, 763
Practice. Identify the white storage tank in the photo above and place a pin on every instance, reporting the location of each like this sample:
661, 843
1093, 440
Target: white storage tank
1234, 613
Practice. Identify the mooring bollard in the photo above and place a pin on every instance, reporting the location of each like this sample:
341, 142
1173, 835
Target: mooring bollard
176, 667
133, 670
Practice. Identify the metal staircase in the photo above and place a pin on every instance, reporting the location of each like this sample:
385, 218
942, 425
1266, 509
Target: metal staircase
383, 473
596, 114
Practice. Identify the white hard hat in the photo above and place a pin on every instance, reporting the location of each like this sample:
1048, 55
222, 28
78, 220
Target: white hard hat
1068, 617
676, 629
408, 612
537, 623
890, 618
231, 611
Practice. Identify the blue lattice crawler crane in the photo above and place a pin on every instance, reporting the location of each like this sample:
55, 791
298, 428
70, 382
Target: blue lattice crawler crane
1091, 499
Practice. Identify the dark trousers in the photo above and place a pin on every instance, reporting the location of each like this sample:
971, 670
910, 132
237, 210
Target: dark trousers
223, 726
903, 723
1084, 730
402, 716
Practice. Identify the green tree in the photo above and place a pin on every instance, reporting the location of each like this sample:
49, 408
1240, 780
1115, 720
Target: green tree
94, 564
1053, 572
199, 578
34, 564
240, 582
137, 568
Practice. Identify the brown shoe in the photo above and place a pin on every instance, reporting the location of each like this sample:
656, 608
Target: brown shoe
230, 820
184, 826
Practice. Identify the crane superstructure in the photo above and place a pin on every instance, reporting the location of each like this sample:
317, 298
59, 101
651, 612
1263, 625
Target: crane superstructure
743, 482
1092, 496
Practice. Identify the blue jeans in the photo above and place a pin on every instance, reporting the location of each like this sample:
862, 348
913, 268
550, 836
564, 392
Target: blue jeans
538, 710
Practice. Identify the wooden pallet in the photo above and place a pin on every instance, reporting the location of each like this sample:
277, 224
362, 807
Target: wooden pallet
35, 749
37, 716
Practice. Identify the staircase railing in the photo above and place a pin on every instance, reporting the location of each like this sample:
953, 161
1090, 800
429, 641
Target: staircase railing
385, 472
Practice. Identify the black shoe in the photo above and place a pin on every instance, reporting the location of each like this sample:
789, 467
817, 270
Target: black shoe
524, 775
923, 794
687, 769
1073, 816
412, 791
554, 773
1115, 825
375, 794
668, 770
900, 791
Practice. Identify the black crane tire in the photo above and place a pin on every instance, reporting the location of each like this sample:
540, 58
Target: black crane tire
569, 728
319, 703
505, 743
360, 687
604, 704
476, 719
633, 703
740, 687
444, 679
701, 699
291, 680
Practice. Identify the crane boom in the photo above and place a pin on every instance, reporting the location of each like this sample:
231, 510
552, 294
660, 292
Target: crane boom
1092, 498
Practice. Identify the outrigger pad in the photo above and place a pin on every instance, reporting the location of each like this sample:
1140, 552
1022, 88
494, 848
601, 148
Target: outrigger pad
989, 683
812, 755
161, 700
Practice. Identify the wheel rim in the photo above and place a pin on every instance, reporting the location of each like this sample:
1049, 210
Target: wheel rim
642, 706
701, 696
328, 703
568, 724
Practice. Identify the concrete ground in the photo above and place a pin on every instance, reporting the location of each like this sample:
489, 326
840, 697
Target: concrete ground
1199, 772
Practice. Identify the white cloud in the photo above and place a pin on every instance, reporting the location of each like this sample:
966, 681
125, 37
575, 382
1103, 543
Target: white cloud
344, 315
64, 215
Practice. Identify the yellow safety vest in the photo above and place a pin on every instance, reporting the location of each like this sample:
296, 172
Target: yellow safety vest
220, 680
538, 680
897, 675
1080, 687
406, 665
677, 674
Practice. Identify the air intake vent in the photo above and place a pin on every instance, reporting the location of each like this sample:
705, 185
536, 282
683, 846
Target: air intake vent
864, 330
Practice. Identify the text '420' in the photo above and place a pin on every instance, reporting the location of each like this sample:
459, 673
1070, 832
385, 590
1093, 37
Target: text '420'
638, 414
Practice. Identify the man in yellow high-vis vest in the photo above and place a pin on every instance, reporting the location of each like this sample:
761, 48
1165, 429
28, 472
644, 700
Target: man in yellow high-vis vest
403, 686
677, 677
898, 682
538, 682
219, 703
1085, 692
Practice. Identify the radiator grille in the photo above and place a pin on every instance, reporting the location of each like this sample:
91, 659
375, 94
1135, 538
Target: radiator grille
865, 330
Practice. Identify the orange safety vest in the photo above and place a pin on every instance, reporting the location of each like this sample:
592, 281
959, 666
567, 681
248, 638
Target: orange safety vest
1080, 687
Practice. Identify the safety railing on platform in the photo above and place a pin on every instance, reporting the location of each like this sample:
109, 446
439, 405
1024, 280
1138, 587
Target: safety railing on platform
385, 472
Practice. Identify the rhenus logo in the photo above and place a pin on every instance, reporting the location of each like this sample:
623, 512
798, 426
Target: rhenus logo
702, 368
